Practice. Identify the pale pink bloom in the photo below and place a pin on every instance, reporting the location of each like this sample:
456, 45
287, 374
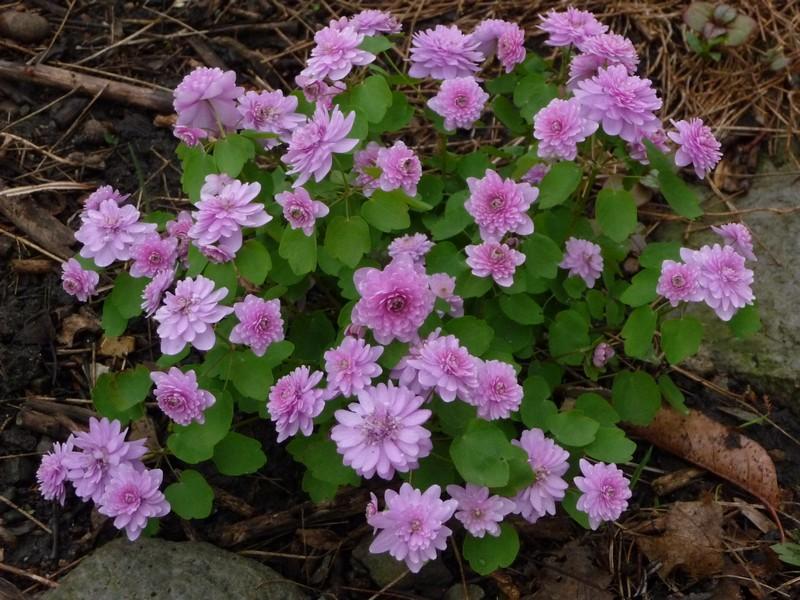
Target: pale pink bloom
501, 37
52, 472
560, 127
190, 136
500, 206
206, 99
312, 145
738, 236
109, 231
269, 112
132, 497
602, 50
478, 510
213, 184
152, 254
415, 246
460, 101
408, 376
400, 168
444, 286
697, 146
413, 525
679, 282
77, 281
223, 214
495, 260
260, 324
637, 149
335, 53
623, 104
603, 353
180, 397
104, 192
351, 366
447, 367
570, 27
178, 229
724, 279
583, 259
549, 464
154, 291
606, 491
294, 401
319, 92
444, 53
382, 433
536, 173
497, 393
300, 210
224, 250
366, 160
373, 22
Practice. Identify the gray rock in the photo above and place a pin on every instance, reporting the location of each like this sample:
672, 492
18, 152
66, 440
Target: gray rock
456, 592
383, 569
153, 569
769, 359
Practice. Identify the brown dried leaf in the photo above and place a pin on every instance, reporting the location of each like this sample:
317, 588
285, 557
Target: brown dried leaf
574, 576
719, 449
84, 320
693, 539
116, 346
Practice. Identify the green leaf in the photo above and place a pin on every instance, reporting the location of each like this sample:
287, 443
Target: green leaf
325, 463
232, 152
636, 397
238, 454
573, 428
677, 194
114, 324
788, 552
672, 394
196, 165
373, 96
638, 332
745, 322
455, 218
474, 164
508, 115
520, 473
536, 408
195, 443
127, 295
435, 469
347, 240
444, 257
224, 276
642, 289
454, 417
374, 44
569, 504
197, 262
252, 375
522, 309
481, 454
474, 334
656, 253
680, 338
386, 211
560, 182
318, 490
192, 497
311, 336
616, 213
568, 338
611, 445
595, 406
469, 286
396, 118
542, 256
489, 553
254, 262
299, 250
121, 395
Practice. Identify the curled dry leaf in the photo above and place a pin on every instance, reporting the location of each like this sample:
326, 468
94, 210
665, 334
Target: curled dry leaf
717, 448
692, 539
83, 320
573, 575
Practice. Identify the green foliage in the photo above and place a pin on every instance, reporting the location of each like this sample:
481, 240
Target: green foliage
560, 182
642, 289
195, 443
347, 240
299, 250
638, 332
672, 394
232, 152
238, 454
680, 338
679, 195
522, 309
573, 428
542, 256
191, 497
475, 335
481, 454
121, 395
386, 211
196, 165
568, 337
489, 553
616, 213
788, 552
254, 262
745, 322
636, 397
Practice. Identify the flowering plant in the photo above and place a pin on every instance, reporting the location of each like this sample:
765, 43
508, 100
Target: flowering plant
476, 324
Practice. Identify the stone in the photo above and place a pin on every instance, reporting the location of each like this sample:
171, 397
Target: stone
456, 592
383, 569
769, 360
155, 569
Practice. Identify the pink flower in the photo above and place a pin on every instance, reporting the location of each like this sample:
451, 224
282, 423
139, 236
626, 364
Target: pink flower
570, 27
154, 291
697, 146
319, 92
77, 281
602, 50
495, 260
605, 492
351, 366
364, 161
102, 449
382, 432
500, 206
622, 103
444, 53
300, 210
559, 127
188, 313
549, 463
679, 282
105, 192
444, 287
312, 145
394, 302
408, 376
294, 401
497, 393
108, 232
603, 353
400, 168
413, 525
637, 149
132, 497
738, 237
447, 367
190, 136
536, 173
504, 38
52, 472
372, 22
152, 254
415, 246
583, 259
206, 99
225, 249
269, 112
724, 280
336, 52
480, 512
460, 101
178, 229
180, 397
260, 323
224, 213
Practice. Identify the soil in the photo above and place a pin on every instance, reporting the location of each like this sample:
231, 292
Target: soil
132, 150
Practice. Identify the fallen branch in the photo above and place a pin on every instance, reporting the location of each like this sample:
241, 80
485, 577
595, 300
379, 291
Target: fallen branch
126, 93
